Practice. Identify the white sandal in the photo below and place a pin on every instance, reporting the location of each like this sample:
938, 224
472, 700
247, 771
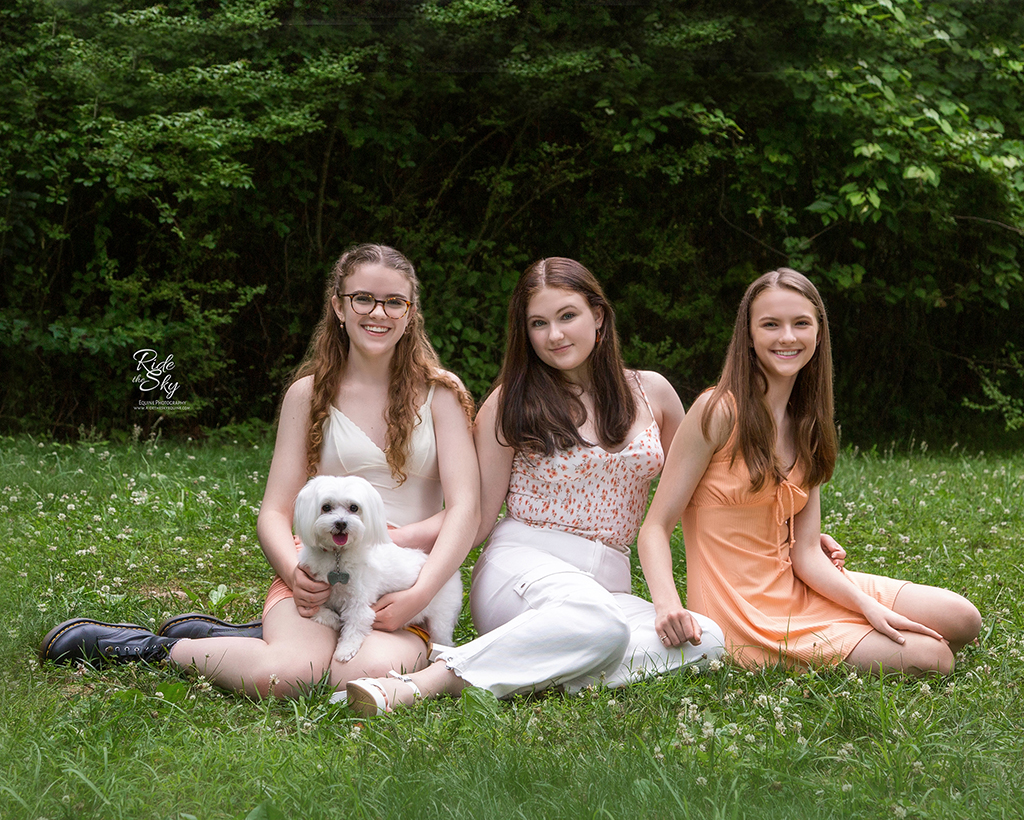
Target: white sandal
368, 697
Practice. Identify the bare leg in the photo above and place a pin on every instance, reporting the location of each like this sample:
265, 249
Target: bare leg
295, 653
920, 655
954, 617
949, 614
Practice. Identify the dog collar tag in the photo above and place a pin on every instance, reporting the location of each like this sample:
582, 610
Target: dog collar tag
335, 577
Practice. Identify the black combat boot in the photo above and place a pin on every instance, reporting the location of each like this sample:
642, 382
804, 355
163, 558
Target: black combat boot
83, 639
199, 625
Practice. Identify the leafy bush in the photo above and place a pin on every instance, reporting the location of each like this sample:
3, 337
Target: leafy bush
180, 178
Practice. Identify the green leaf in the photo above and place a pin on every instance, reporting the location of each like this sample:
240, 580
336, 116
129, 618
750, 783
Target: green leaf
479, 705
266, 811
172, 691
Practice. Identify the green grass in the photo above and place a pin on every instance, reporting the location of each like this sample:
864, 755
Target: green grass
143, 529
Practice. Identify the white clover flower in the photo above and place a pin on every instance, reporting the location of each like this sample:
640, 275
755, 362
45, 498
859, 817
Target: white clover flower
685, 738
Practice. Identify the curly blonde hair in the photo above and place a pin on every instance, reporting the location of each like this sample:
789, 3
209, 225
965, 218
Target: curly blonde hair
414, 367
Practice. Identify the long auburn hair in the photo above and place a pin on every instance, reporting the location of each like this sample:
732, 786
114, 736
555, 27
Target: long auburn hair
414, 365
811, 403
540, 411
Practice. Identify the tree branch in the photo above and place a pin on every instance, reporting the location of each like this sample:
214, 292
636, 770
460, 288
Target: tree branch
991, 222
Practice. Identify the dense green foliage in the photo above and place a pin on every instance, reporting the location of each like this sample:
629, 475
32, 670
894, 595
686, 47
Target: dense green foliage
137, 531
179, 177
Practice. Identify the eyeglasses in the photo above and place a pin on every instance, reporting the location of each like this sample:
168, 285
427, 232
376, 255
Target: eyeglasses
363, 303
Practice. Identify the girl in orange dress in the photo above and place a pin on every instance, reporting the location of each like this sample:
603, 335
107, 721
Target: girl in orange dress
744, 473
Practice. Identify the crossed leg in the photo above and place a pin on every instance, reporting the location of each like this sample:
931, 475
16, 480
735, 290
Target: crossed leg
949, 614
294, 654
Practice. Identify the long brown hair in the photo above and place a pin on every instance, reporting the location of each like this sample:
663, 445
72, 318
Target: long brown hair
413, 367
539, 411
811, 403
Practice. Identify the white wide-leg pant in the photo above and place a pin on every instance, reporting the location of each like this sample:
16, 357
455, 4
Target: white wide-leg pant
555, 609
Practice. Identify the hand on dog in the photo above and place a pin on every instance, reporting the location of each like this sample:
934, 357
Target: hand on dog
396, 609
310, 594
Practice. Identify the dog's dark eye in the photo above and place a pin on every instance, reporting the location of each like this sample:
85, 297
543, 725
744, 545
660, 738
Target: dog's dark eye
353, 508
325, 508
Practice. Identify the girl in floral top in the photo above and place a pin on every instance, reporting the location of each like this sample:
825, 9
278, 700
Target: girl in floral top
569, 440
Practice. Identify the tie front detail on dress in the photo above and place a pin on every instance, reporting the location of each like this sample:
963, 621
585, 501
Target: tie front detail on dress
787, 496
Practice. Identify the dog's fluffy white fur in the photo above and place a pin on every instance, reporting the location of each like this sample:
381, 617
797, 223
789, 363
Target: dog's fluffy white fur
341, 523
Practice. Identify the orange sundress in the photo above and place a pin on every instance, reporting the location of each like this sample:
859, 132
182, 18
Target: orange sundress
739, 572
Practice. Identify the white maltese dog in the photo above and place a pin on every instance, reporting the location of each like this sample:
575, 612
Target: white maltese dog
341, 523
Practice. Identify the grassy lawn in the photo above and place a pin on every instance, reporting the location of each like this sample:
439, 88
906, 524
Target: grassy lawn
137, 531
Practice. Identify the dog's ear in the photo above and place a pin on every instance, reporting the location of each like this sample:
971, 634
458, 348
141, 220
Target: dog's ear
306, 511
375, 519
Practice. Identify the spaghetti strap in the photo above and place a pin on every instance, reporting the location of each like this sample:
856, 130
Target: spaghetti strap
643, 393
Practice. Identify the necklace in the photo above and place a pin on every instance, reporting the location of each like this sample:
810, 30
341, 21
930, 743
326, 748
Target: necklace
336, 576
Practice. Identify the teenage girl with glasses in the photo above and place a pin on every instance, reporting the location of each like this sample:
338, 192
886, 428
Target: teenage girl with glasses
371, 399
